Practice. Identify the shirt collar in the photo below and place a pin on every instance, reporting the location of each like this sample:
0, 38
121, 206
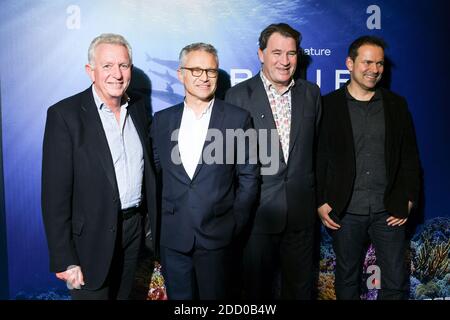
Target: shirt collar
269, 85
377, 96
206, 111
100, 104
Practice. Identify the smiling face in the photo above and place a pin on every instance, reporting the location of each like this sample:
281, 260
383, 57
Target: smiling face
200, 88
279, 60
111, 72
367, 68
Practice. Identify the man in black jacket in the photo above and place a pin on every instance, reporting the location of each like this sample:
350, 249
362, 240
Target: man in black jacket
98, 181
368, 173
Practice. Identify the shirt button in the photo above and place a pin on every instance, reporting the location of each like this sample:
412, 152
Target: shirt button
367, 172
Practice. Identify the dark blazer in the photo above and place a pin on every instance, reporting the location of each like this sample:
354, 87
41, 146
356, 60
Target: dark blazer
336, 167
216, 203
80, 197
290, 192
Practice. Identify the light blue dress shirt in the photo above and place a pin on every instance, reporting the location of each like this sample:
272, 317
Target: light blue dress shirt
126, 152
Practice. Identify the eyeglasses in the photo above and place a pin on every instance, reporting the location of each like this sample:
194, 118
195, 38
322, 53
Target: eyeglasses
197, 72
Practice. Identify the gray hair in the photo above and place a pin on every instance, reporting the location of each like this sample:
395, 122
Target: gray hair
198, 46
109, 38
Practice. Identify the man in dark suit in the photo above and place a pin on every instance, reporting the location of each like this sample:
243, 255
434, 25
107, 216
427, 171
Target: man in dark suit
282, 232
368, 173
206, 199
97, 178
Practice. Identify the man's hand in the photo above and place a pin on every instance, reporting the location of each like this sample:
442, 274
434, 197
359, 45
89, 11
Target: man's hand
410, 206
393, 221
324, 212
72, 276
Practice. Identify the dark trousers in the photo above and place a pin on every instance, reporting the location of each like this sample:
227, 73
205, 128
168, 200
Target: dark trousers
120, 279
199, 274
350, 244
265, 253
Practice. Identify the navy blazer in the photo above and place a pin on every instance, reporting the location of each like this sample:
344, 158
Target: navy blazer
215, 205
336, 164
287, 198
80, 197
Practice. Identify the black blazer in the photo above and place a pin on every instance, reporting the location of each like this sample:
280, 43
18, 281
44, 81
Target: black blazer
291, 190
80, 197
213, 206
336, 167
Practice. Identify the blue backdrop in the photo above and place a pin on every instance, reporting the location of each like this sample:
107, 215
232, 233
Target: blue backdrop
44, 50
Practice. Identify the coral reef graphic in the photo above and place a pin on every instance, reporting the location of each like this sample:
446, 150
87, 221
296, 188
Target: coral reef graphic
326, 268
430, 257
370, 260
52, 294
157, 290
328, 265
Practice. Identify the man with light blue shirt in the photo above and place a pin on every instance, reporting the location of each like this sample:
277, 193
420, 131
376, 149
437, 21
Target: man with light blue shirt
97, 178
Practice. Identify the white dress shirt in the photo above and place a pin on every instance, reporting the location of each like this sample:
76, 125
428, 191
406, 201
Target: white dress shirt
191, 137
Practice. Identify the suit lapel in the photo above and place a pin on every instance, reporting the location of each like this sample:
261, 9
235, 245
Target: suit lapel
261, 106
389, 120
174, 126
345, 121
97, 138
297, 110
215, 122
262, 112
